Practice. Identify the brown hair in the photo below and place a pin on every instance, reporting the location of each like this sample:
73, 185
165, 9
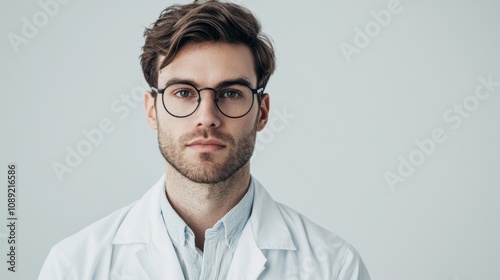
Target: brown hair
208, 21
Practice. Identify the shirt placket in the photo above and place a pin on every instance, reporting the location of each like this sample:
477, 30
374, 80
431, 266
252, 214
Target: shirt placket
211, 259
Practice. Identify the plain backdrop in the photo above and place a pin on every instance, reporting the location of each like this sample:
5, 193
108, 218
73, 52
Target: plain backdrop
350, 100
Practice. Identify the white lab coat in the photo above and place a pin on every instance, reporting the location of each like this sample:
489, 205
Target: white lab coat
132, 243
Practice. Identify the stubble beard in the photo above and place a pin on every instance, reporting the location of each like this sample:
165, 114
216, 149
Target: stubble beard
204, 169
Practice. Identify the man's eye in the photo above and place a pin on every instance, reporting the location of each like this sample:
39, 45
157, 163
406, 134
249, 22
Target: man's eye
230, 94
183, 93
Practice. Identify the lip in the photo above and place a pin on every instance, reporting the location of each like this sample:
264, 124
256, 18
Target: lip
206, 145
206, 142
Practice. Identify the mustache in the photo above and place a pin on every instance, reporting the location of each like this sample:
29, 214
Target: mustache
207, 133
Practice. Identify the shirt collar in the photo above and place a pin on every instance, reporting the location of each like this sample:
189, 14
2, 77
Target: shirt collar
230, 226
176, 227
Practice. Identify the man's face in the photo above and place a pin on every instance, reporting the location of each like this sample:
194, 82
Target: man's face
208, 147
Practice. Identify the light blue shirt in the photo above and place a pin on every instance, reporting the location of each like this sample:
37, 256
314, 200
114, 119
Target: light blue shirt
220, 240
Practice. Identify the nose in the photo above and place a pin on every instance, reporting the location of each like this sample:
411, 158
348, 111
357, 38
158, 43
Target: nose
207, 114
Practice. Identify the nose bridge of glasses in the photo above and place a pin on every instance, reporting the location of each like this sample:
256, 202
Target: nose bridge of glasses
212, 101
207, 88
215, 99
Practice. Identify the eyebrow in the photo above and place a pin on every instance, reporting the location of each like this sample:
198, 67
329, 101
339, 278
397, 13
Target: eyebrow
241, 80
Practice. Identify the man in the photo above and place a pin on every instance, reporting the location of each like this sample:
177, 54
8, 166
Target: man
207, 218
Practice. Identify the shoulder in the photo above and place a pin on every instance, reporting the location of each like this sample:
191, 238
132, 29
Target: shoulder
102, 233
98, 234
321, 252
315, 253
86, 246
90, 250
273, 217
307, 232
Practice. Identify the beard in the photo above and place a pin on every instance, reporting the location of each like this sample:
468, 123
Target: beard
204, 169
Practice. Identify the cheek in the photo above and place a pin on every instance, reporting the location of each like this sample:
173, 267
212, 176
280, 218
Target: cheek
246, 125
169, 127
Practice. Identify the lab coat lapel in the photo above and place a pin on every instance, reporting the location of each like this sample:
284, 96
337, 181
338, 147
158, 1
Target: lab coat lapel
159, 259
266, 229
248, 260
142, 236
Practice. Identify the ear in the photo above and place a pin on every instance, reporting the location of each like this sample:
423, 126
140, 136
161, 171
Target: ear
149, 106
263, 112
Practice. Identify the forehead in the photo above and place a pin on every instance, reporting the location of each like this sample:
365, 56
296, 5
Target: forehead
210, 63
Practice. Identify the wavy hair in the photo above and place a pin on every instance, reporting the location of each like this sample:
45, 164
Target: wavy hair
205, 21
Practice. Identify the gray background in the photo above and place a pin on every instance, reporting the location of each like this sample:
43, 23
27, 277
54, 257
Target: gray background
351, 123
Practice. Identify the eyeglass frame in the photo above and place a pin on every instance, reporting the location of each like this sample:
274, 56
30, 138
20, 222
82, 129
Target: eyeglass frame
259, 91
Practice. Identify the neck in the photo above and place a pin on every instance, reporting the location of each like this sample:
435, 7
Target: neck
202, 205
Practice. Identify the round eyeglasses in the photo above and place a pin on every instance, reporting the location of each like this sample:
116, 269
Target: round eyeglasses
233, 99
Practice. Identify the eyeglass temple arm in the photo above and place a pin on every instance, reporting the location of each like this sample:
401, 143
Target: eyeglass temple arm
158, 91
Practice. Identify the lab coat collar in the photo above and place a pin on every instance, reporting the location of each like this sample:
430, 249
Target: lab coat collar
268, 226
266, 229
143, 218
143, 224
